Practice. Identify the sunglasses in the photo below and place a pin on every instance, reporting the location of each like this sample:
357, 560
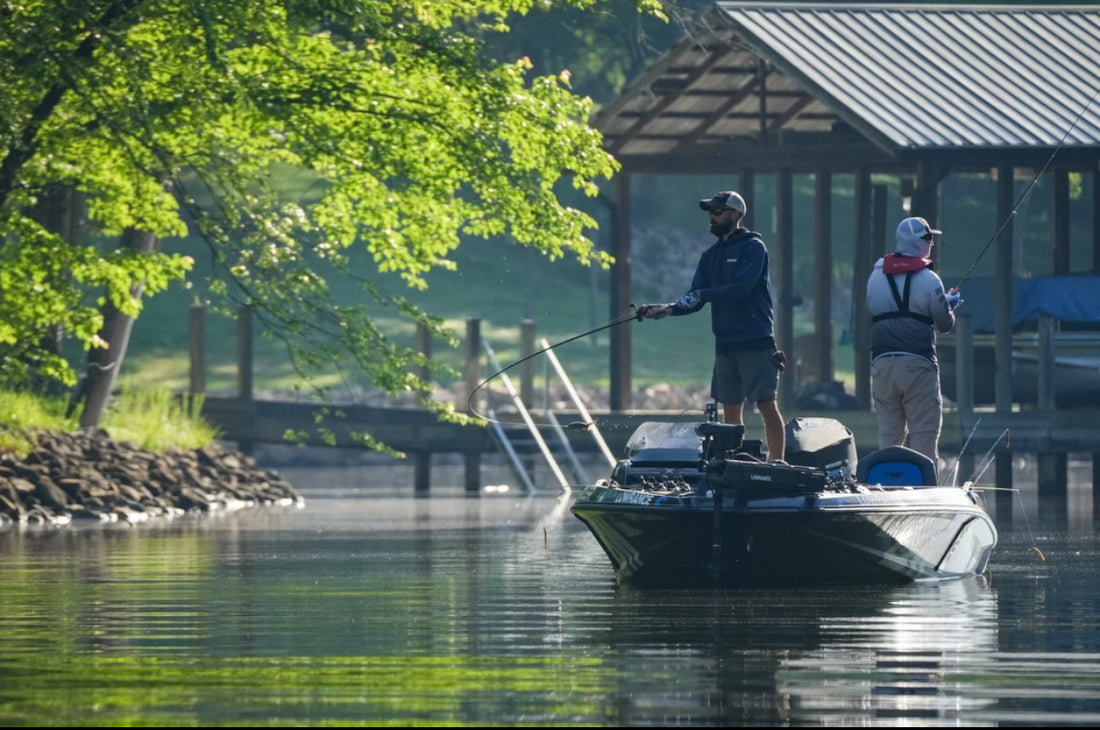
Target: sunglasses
927, 237
716, 213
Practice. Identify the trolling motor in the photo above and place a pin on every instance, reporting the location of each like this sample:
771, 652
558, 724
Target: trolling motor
720, 440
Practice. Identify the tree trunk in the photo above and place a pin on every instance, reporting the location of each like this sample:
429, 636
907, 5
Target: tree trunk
60, 210
104, 365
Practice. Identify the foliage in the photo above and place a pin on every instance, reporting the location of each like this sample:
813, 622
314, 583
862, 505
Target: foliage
178, 116
150, 418
604, 48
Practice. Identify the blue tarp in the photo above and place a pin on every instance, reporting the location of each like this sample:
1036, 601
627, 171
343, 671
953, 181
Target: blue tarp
1073, 300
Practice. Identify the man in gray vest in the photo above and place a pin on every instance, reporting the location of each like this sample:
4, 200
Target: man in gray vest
908, 306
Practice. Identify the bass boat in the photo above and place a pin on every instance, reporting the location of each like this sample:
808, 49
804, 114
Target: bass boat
695, 504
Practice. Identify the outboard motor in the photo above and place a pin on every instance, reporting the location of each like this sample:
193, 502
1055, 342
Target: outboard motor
824, 443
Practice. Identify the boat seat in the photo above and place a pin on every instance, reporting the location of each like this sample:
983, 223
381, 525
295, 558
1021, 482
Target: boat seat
896, 466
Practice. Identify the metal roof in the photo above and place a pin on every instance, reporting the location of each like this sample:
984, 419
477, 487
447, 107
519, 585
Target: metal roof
897, 78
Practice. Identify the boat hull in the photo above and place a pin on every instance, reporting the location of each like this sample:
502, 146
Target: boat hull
899, 534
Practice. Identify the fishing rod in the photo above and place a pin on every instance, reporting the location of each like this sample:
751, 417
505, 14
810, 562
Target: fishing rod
986, 460
958, 457
1027, 191
579, 425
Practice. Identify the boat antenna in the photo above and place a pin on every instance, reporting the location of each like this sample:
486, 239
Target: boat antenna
578, 425
1027, 191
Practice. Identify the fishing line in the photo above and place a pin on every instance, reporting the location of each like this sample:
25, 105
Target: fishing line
613, 323
958, 458
1023, 509
1027, 191
987, 460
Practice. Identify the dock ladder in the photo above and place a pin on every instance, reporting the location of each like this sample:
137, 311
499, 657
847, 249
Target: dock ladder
514, 438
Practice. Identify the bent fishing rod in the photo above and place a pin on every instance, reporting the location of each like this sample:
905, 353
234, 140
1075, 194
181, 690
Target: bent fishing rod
1027, 191
608, 325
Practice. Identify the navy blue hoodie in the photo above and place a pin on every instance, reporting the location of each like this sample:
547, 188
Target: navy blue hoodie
732, 276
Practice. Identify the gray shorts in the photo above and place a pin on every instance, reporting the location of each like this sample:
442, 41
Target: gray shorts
741, 375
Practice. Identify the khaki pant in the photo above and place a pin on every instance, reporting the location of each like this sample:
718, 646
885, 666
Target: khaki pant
906, 390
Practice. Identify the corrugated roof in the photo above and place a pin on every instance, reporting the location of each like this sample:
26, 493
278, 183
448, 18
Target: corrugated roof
904, 76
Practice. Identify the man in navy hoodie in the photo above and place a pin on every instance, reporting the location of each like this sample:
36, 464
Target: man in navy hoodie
732, 276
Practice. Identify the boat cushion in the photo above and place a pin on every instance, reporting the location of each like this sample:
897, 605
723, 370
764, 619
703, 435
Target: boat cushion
896, 466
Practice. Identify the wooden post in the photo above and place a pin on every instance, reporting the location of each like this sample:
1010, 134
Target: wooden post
621, 384
1096, 487
861, 269
784, 324
422, 459
197, 340
1002, 346
1046, 384
823, 275
526, 349
1061, 222
527, 380
964, 386
244, 353
473, 379
244, 364
1052, 485
1095, 220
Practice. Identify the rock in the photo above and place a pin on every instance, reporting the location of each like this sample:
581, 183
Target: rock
88, 476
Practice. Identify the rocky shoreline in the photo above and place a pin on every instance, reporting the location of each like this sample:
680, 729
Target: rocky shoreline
88, 476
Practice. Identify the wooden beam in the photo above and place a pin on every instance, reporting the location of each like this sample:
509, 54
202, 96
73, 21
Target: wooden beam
1002, 346
665, 101
1060, 232
735, 98
719, 157
621, 389
785, 247
823, 274
1096, 219
861, 269
1003, 302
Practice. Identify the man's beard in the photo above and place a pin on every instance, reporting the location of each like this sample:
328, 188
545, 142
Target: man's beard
721, 228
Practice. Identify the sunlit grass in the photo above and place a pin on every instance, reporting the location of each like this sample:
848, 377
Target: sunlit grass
21, 414
149, 418
154, 419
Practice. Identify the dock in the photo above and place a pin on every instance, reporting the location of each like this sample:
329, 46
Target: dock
1048, 431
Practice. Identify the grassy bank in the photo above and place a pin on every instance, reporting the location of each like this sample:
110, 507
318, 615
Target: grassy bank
150, 419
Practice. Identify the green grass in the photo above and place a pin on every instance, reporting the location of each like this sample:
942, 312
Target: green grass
150, 418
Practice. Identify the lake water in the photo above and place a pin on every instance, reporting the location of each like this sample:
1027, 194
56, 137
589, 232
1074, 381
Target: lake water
369, 607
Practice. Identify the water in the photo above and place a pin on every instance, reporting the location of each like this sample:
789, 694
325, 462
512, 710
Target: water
369, 607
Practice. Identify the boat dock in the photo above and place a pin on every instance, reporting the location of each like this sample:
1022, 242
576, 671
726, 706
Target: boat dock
414, 430
1050, 435
1047, 429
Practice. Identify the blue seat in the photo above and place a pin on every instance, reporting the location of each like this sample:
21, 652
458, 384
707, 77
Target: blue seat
897, 466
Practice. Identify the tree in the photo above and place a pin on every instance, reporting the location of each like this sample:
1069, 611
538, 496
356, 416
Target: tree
177, 116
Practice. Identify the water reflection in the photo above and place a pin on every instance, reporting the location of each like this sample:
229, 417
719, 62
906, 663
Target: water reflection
920, 656
374, 608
